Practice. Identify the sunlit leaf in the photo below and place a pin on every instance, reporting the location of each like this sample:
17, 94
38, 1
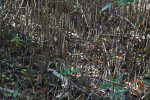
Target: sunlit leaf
108, 5
3, 76
140, 61
24, 70
119, 77
56, 64
147, 82
105, 85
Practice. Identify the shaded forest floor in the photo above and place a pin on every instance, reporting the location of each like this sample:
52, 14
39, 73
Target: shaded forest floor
73, 51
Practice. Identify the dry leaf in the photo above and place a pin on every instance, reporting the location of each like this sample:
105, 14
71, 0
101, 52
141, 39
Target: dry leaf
135, 93
93, 84
39, 78
93, 47
100, 90
42, 90
130, 65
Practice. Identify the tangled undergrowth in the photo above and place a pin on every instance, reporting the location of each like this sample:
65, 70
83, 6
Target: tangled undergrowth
75, 50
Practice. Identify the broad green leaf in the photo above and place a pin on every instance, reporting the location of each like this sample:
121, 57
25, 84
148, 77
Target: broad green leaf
7, 94
67, 69
126, 0
136, 27
68, 77
22, 72
74, 6
12, 40
112, 78
10, 75
78, 4
15, 92
118, 89
105, 85
107, 6
120, 3
147, 82
112, 95
63, 73
75, 70
3, 76
110, 0
119, 77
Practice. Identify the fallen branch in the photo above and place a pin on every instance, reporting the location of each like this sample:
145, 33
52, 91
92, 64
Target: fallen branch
63, 79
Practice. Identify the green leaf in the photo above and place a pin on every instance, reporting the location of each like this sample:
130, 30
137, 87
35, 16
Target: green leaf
12, 40
110, 0
147, 82
56, 64
112, 78
58, 90
118, 89
140, 61
126, 0
10, 75
68, 77
74, 6
67, 69
119, 77
24, 70
15, 92
112, 95
78, 4
105, 85
75, 70
8, 32
136, 27
107, 6
63, 73
3, 76
120, 3
7, 94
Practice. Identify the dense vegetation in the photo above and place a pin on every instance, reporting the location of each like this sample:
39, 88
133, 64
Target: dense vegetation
74, 49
